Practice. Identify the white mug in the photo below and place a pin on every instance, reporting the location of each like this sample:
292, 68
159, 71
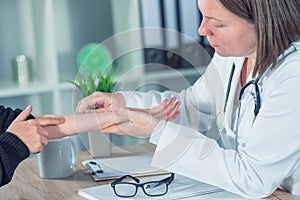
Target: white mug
57, 158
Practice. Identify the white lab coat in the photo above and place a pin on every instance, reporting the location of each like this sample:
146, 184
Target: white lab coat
266, 153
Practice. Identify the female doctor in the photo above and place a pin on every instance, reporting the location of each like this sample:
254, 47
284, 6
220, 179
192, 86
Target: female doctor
250, 88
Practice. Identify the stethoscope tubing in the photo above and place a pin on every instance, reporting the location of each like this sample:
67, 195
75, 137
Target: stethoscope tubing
254, 82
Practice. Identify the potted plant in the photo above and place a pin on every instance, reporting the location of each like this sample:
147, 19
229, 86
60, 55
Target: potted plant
96, 73
88, 83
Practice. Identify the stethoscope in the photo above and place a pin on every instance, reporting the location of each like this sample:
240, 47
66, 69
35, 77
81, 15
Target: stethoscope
242, 90
254, 82
257, 102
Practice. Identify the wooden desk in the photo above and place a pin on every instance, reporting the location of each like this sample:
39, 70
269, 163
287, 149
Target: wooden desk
27, 184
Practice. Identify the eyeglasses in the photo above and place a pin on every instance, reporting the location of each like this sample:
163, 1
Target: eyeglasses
151, 188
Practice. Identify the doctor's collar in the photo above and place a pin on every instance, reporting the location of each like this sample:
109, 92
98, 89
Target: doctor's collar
287, 52
292, 49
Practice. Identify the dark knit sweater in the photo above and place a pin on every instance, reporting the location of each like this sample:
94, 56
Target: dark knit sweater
12, 149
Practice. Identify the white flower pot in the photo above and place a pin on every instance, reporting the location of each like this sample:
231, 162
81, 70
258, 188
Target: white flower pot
100, 144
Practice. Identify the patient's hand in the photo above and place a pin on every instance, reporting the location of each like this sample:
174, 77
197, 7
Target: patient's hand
141, 122
137, 123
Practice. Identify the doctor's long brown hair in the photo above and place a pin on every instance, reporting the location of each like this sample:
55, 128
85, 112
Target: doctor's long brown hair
277, 25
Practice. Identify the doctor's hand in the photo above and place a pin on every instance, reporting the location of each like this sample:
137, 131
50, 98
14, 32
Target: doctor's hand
136, 118
136, 123
101, 101
167, 110
32, 132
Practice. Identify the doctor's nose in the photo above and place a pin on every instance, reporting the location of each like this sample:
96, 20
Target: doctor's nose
204, 29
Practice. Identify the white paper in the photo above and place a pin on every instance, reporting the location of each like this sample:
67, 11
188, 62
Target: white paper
181, 188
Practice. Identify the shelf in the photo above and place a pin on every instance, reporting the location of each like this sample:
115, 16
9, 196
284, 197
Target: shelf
66, 86
175, 73
9, 90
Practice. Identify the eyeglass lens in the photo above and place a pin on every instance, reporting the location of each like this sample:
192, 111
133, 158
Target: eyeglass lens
125, 189
152, 189
155, 188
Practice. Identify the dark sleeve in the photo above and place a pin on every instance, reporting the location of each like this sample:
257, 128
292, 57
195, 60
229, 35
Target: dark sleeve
12, 149
7, 115
12, 152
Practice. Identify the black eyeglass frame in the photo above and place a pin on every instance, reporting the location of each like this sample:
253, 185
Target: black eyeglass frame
166, 181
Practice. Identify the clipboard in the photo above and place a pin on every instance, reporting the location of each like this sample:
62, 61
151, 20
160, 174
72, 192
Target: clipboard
112, 168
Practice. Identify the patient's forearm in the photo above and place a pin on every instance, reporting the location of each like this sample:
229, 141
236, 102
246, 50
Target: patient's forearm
79, 123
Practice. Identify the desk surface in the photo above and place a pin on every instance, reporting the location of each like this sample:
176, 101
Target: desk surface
27, 184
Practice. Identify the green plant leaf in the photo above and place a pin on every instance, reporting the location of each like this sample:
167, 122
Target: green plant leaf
100, 78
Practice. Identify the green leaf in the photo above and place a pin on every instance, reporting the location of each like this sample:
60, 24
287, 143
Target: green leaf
93, 75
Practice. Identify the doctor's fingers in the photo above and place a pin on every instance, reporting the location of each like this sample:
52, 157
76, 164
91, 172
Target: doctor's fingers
97, 99
172, 117
172, 112
139, 118
113, 129
138, 129
131, 129
97, 110
120, 116
160, 112
167, 113
164, 106
133, 122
